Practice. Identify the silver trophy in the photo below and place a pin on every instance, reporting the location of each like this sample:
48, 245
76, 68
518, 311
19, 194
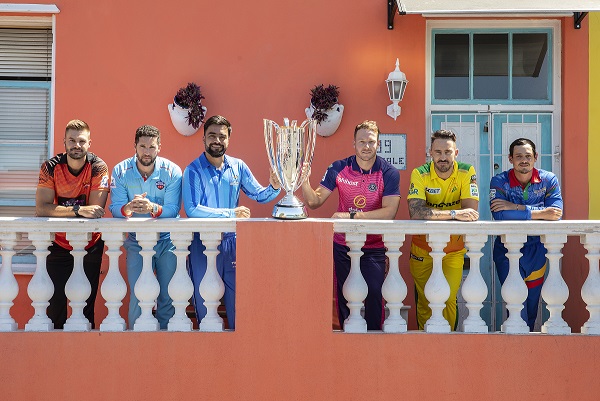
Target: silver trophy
288, 148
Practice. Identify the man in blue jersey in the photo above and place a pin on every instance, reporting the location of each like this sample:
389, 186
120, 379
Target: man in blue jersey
525, 193
146, 185
211, 188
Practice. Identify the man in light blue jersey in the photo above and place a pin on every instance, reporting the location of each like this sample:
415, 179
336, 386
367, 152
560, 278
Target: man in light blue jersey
148, 186
211, 188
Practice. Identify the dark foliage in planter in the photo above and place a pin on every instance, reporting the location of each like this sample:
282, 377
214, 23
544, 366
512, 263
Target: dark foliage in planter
323, 99
190, 98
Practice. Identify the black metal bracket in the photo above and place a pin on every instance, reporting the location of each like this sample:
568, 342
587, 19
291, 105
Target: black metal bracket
392, 10
578, 17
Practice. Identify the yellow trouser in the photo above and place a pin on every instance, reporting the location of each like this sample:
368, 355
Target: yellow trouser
421, 265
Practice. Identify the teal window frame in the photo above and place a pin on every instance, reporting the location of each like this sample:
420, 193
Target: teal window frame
510, 33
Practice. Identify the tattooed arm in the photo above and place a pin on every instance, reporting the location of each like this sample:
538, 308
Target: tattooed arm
418, 210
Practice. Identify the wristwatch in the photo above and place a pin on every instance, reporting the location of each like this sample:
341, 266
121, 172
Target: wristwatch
154, 209
76, 210
352, 214
453, 214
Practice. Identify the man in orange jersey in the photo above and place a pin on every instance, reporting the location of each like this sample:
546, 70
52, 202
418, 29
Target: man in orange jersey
72, 184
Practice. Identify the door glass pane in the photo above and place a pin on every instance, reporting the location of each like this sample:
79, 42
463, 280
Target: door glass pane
530, 66
490, 66
451, 66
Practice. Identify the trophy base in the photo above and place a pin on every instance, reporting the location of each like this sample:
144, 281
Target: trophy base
290, 212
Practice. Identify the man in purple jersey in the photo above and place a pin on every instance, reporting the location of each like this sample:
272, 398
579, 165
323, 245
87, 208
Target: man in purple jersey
369, 188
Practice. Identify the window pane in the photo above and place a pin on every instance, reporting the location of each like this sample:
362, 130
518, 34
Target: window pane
490, 66
530, 66
451, 66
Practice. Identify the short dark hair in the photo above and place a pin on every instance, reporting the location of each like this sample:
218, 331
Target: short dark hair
368, 125
443, 134
217, 120
147, 130
521, 142
77, 125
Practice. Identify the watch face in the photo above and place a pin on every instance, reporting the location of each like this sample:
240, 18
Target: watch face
76, 209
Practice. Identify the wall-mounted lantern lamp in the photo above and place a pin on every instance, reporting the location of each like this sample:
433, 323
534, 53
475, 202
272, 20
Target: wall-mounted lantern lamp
396, 85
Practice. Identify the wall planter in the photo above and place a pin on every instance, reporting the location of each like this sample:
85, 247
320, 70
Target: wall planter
325, 109
186, 111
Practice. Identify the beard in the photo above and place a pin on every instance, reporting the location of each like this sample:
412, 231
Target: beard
215, 150
76, 154
146, 162
443, 167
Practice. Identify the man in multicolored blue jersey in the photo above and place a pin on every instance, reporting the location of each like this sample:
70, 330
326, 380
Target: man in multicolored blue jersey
73, 184
525, 193
442, 189
211, 188
146, 185
369, 188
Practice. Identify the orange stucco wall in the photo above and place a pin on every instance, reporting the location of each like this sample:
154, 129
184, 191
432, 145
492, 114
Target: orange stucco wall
284, 349
119, 63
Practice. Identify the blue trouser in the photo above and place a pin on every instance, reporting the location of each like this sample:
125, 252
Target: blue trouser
164, 263
372, 267
532, 266
225, 268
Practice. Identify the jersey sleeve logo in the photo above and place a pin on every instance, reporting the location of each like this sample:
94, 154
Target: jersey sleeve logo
104, 181
492, 194
474, 190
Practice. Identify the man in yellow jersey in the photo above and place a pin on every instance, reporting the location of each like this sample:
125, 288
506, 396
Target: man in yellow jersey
442, 189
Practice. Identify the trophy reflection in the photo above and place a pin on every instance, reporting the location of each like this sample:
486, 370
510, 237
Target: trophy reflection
289, 147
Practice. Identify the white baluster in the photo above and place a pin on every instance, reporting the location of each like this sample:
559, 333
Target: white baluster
78, 288
40, 288
355, 288
113, 288
9, 288
474, 289
211, 287
147, 287
437, 289
590, 291
394, 288
181, 287
555, 291
514, 289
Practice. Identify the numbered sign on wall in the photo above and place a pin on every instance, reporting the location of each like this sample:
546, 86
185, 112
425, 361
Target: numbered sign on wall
392, 147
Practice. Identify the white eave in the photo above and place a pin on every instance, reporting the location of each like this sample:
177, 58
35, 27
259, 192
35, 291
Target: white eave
493, 8
28, 8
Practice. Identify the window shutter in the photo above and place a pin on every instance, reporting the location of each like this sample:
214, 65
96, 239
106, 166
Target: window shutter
25, 54
25, 73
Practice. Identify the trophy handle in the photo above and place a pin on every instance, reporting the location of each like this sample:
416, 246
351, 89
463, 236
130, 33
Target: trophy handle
309, 125
268, 133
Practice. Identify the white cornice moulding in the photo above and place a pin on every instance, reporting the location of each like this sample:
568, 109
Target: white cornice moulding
29, 8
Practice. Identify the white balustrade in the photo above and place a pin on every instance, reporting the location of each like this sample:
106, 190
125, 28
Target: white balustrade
181, 287
146, 287
40, 288
9, 288
514, 290
211, 286
78, 288
394, 288
113, 288
355, 287
590, 291
474, 289
437, 289
555, 291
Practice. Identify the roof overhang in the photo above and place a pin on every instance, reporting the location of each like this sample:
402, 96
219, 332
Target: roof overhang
493, 8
